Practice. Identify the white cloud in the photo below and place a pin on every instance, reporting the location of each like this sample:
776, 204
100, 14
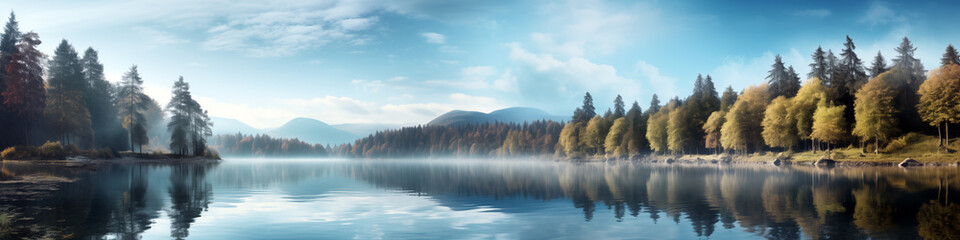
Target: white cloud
879, 13
434, 38
548, 82
740, 72
663, 85
158, 38
594, 27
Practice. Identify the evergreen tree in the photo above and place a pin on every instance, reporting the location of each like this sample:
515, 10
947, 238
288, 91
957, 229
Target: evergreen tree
950, 56
634, 138
618, 107
879, 66
778, 78
585, 112
25, 95
99, 96
728, 99
793, 83
654, 105
179, 109
833, 63
67, 109
819, 68
911, 65
133, 104
8, 48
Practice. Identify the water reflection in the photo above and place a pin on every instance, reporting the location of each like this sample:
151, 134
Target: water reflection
127, 201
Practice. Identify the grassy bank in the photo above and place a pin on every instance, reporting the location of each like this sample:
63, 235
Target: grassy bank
57, 151
922, 148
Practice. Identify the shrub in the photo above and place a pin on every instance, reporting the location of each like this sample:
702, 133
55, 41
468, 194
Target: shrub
18, 153
52, 150
900, 143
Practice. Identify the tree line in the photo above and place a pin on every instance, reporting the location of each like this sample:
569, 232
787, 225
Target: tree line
67, 99
841, 103
486, 139
265, 146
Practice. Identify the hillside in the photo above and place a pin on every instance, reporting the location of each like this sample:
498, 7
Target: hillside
514, 114
312, 131
232, 126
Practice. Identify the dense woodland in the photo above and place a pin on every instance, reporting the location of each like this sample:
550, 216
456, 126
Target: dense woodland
65, 100
842, 103
489, 139
264, 146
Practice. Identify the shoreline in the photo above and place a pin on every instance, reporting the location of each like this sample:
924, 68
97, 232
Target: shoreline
751, 160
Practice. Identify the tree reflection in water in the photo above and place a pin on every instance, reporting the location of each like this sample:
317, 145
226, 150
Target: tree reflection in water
122, 201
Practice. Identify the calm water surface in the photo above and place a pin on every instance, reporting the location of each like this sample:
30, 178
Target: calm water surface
455, 199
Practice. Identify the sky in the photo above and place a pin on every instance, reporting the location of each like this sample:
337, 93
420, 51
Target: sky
408, 61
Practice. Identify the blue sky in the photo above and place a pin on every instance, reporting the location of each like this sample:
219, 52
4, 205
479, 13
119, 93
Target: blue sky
406, 62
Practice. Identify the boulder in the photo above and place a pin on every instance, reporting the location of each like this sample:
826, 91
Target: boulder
776, 162
726, 159
909, 162
669, 160
825, 162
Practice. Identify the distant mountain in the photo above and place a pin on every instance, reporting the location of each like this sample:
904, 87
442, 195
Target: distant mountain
363, 129
232, 126
514, 114
313, 131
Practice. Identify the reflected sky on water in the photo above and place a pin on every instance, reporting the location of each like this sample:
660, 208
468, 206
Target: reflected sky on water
491, 198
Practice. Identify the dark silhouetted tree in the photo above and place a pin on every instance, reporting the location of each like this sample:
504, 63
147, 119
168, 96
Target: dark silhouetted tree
878, 66
66, 108
25, 96
133, 104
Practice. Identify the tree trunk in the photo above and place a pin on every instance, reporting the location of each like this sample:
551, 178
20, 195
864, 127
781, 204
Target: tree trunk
876, 146
946, 133
939, 136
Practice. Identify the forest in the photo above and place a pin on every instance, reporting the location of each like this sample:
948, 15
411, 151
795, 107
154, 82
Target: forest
64, 104
841, 104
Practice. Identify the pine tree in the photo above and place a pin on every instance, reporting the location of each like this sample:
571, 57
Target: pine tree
950, 56
906, 61
133, 104
777, 78
618, 107
67, 108
654, 105
585, 112
25, 96
819, 68
178, 107
793, 83
99, 96
728, 99
8, 48
879, 66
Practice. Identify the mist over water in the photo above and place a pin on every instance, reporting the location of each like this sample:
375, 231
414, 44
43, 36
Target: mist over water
483, 198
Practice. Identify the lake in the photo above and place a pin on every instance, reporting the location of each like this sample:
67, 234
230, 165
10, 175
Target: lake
480, 199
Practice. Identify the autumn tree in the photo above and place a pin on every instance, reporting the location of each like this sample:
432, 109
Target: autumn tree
24, 95
712, 129
613, 143
742, 129
829, 126
66, 109
804, 105
680, 132
569, 141
939, 98
779, 125
657, 130
133, 104
595, 134
876, 114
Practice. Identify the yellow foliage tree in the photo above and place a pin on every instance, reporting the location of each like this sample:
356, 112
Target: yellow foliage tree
779, 124
805, 104
940, 97
829, 125
875, 112
712, 129
615, 137
742, 129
